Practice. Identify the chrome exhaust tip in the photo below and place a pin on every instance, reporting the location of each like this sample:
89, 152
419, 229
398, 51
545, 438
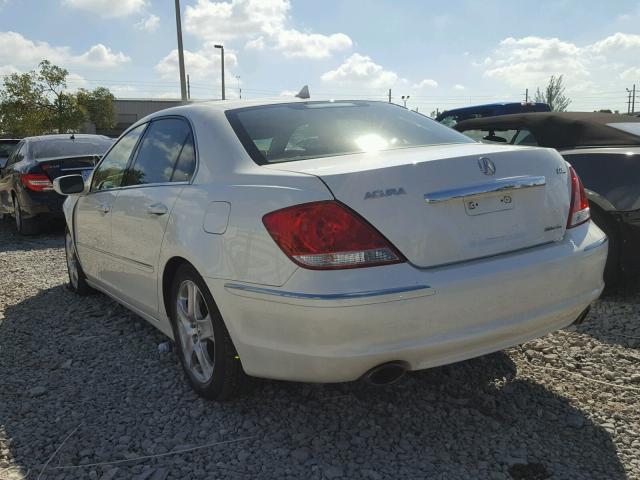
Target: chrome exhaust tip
386, 374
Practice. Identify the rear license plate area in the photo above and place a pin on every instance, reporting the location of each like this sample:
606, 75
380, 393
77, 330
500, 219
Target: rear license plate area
480, 205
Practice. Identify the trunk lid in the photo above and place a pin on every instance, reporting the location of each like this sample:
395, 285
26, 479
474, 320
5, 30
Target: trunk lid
437, 206
68, 165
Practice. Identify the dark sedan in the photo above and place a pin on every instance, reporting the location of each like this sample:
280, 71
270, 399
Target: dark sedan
605, 151
26, 188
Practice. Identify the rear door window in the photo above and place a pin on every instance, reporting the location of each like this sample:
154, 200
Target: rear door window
166, 154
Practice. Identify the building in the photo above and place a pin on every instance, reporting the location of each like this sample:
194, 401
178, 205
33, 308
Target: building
130, 110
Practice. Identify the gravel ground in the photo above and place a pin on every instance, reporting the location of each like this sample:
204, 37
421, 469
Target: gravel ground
84, 393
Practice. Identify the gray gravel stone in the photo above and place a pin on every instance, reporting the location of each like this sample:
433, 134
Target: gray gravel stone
37, 391
534, 407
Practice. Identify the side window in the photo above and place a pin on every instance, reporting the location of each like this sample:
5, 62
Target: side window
110, 173
166, 154
18, 155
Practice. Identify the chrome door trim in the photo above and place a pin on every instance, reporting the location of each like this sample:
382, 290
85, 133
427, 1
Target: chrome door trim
501, 185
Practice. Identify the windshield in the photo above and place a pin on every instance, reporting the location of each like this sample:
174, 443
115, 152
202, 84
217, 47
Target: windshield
299, 131
67, 147
629, 127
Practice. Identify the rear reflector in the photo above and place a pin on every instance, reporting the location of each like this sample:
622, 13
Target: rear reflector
36, 182
328, 235
579, 210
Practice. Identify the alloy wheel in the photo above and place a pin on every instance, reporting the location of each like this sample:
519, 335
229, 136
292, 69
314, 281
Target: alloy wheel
195, 330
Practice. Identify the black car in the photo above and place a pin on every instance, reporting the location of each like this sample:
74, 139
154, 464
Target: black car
605, 151
26, 188
7, 147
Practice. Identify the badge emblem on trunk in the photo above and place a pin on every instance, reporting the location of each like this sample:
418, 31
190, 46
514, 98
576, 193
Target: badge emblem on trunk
486, 166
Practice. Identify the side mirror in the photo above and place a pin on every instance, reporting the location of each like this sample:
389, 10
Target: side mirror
69, 185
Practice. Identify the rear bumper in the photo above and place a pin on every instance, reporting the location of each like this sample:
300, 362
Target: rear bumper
330, 326
40, 203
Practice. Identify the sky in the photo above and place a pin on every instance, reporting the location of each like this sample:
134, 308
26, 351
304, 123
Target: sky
440, 54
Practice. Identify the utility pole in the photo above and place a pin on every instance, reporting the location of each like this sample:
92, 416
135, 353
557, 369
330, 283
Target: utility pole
183, 82
404, 100
239, 87
526, 96
188, 88
221, 47
628, 101
389, 95
633, 100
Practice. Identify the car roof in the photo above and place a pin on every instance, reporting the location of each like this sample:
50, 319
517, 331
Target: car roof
66, 136
562, 129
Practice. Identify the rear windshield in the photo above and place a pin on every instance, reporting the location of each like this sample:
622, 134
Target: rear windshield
299, 131
67, 147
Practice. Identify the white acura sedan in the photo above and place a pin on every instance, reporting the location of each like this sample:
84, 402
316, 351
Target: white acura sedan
325, 241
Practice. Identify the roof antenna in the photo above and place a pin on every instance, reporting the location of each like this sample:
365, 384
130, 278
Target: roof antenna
304, 92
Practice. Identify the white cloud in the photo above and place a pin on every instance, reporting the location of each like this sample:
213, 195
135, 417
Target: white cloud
76, 81
23, 53
360, 70
530, 61
616, 43
295, 44
255, 44
457, 86
426, 83
203, 64
8, 70
288, 93
264, 23
148, 24
100, 56
632, 74
108, 8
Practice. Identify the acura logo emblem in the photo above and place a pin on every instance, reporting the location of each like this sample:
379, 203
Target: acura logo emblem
486, 166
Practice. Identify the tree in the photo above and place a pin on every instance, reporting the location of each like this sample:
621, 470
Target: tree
99, 107
553, 95
64, 112
21, 105
38, 102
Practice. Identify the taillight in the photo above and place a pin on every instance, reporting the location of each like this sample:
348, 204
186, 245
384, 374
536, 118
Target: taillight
579, 208
328, 235
36, 182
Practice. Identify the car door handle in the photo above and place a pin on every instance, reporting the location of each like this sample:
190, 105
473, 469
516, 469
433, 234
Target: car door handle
157, 209
104, 208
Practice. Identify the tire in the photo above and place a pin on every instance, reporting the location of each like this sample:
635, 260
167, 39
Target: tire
612, 272
77, 279
24, 226
202, 341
